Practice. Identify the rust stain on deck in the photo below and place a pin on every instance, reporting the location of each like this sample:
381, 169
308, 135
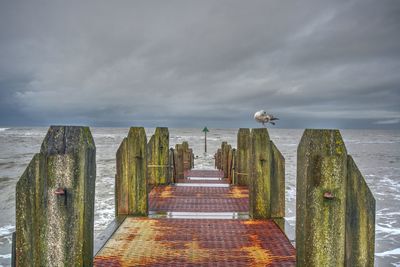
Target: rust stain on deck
188, 242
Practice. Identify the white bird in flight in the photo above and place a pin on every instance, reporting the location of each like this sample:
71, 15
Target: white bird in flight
262, 117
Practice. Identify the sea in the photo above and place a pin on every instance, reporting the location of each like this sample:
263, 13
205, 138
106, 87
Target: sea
376, 153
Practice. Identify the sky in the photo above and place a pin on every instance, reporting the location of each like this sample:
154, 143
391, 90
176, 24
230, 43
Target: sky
312, 64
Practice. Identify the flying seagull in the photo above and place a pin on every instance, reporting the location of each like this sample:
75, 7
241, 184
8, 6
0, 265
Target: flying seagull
263, 117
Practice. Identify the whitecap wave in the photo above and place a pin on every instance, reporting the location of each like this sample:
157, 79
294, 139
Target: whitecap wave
395, 251
5, 256
387, 231
7, 230
4, 129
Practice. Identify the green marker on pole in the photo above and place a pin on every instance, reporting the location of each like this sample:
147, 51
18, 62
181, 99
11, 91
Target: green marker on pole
205, 130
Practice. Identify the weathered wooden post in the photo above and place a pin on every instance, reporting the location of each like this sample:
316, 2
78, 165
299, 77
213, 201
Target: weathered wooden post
131, 177
267, 178
243, 156
187, 156
55, 201
191, 158
178, 160
230, 164
321, 199
335, 211
158, 157
260, 187
360, 219
171, 164
277, 183
225, 147
234, 166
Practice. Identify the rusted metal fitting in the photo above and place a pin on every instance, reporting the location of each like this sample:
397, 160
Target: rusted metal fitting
60, 191
329, 195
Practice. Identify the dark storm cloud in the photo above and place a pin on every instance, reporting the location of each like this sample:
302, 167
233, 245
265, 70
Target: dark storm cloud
188, 63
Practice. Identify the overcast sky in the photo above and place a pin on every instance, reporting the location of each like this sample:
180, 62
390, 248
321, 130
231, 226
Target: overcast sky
331, 64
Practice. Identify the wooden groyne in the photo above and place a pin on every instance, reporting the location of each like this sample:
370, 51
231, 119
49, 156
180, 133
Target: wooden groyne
168, 214
55, 201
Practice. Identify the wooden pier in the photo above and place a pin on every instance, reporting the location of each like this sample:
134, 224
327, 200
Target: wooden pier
196, 226
169, 214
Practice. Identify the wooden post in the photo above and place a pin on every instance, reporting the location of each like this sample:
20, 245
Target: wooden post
260, 185
131, 178
192, 154
178, 160
55, 201
243, 156
171, 163
185, 145
218, 160
321, 199
360, 219
13, 250
158, 157
230, 162
187, 156
277, 183
234, 166
191, 158
224, 158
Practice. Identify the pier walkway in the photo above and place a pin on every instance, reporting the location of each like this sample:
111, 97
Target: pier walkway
199, 221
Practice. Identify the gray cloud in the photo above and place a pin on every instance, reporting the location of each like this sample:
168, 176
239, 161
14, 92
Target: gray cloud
190, 63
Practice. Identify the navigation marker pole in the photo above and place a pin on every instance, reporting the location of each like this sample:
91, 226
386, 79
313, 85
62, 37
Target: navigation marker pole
205, 130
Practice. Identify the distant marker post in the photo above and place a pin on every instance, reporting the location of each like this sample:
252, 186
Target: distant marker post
205, 130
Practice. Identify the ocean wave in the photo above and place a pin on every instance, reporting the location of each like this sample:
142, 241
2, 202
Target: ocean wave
7, 230
4, 129
387, 231
5, 256
395, 251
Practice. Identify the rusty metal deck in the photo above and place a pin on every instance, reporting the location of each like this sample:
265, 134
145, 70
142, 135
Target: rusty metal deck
197, 242
199, 199
189, 242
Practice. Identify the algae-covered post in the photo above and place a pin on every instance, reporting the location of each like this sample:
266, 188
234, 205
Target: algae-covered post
267, 177
158, 157
260, 184
243, 156
230, 164
360, 219
234, 166
131, 178
277, 183
55, 201
171, 168
335, 211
